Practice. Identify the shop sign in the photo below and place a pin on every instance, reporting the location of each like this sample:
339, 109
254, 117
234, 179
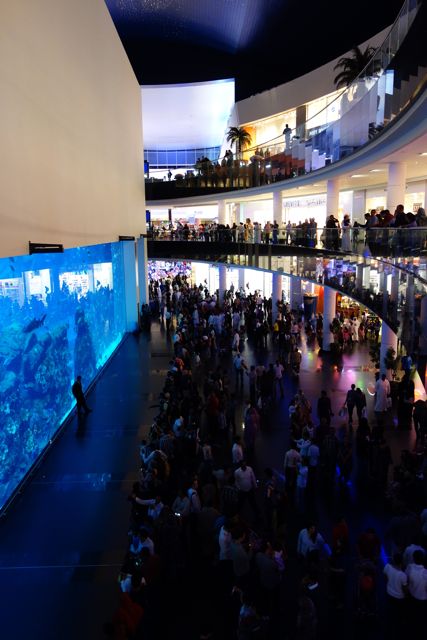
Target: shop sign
306, 202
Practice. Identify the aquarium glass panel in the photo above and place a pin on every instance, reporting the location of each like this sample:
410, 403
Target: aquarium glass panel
61, 315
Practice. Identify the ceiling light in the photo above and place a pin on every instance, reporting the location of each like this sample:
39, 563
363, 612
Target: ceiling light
376, 170
358, 175
423, 154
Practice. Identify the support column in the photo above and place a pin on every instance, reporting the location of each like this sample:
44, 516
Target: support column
236, 213
222, 214
129, 272
394, 291
359, 206
359, 277
242, 283
409, 295
222, 283
295, 296
142, 271
329, 311
278, 207
332, 197
277, 293
366, 277
388, 339
396, 185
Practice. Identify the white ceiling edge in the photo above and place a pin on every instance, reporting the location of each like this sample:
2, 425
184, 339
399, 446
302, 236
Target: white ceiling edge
186, 116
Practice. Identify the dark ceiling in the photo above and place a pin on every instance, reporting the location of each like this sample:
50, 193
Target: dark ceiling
261, 43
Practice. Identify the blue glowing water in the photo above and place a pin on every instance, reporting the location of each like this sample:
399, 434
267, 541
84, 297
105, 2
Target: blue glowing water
61, 315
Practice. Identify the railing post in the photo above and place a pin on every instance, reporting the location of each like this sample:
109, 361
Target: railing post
249, 249
256, 255
269, 257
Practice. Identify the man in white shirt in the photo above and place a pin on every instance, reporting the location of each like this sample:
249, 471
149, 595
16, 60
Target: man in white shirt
417, 577
397, 588
382, 392
292, 458
237, 451
278, 378
408, 554
246, 484
417, 584
224, 541
310, 539
146, 541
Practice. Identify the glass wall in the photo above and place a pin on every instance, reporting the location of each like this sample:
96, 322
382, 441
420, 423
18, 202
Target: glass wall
61, 315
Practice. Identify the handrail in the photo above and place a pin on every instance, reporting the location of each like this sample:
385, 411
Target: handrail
344, 272
392, 242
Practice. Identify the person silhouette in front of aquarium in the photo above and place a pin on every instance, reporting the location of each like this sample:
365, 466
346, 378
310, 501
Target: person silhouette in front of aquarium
77, 390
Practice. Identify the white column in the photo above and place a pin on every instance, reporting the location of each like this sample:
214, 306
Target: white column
394, 290
277, 293
329, 311
242, 283
396, 185
142, 270
278, 207
295, 295
382, 282
332, 197
388, 339
236, 213
366, 278
359, 277
359, 206
222, 283
222, 214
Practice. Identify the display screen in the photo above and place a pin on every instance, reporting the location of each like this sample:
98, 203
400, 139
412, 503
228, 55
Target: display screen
61, 315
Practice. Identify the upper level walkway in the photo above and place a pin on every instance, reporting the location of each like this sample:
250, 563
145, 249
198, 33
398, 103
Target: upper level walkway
378, 241
392, 289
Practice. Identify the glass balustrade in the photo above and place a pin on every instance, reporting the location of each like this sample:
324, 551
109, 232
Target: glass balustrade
393, 289
375, 241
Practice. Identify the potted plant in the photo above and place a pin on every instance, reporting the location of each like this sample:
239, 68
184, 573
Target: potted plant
356, 66
241, 137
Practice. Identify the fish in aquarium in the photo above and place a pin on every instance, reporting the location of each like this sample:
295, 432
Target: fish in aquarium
34, 324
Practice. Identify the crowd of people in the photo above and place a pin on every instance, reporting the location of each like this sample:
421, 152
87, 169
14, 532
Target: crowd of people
231, 547
385, 233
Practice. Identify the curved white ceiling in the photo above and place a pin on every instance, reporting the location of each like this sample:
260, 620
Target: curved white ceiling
186, 116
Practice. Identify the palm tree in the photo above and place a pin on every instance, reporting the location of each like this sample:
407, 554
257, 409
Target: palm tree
240, 136
353, 66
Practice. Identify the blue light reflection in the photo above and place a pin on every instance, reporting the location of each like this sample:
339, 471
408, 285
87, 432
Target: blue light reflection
61, 315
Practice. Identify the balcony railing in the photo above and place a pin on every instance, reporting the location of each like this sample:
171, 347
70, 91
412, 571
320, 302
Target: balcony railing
391, 289
385, 242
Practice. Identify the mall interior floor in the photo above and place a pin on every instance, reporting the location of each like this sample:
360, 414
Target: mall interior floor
64, 538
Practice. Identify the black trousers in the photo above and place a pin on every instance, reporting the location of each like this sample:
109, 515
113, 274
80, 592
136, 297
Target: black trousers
250, 497
81, 404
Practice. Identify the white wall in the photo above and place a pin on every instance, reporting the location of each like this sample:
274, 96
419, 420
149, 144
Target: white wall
297, 92
70, 127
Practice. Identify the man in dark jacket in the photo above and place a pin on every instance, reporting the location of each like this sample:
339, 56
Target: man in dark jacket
77, 391
324, 409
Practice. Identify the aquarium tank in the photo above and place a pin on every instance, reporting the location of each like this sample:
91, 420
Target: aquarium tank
61, 315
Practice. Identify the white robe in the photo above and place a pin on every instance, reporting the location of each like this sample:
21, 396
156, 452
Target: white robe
382, 391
